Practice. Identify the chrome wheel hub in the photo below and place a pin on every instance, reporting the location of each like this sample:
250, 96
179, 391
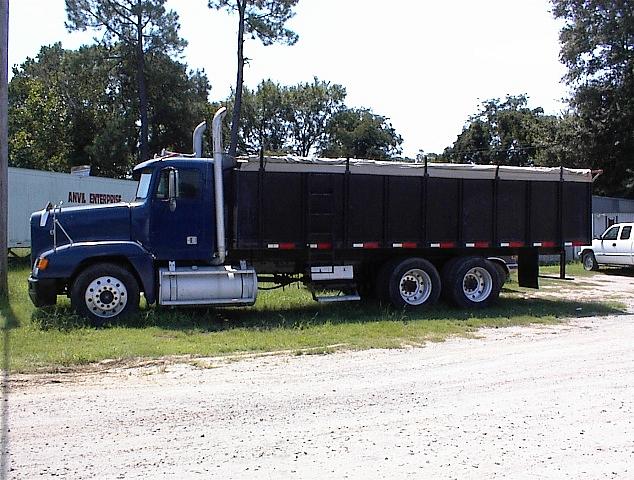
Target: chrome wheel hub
415, 286
477, 284
106, 296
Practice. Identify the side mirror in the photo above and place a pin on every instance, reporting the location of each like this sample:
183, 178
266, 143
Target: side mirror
172, 188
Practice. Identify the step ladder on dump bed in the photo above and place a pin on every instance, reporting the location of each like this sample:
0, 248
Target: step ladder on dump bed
325, 273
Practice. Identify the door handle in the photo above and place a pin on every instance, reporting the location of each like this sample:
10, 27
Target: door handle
614, 244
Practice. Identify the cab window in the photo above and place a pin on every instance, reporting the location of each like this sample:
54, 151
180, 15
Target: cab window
625, 233
188, 184
611, 234
162, 187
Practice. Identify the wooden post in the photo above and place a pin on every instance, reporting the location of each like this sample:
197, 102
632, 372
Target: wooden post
4, 145
4, 180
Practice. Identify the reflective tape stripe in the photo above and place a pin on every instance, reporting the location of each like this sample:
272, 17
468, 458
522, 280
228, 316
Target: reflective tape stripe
505, 244
469, 245
405, 245
357, 245
567, 244
282, 246
443, 245
548, 244
537, 244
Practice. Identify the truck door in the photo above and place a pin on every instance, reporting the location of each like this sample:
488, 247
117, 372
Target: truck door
623, 251
179, 232
609, 242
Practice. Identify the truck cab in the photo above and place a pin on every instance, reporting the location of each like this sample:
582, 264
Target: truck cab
612, 247
169, 243
175, 224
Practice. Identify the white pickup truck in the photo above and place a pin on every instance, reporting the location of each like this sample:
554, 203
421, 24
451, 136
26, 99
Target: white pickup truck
613, 247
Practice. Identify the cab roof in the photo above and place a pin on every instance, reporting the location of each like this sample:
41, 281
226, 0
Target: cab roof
171, 160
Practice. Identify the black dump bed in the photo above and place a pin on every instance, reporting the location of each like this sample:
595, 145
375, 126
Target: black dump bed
291, 203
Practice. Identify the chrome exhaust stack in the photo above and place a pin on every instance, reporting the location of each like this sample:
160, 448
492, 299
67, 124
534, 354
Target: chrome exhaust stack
197, 139
216, 130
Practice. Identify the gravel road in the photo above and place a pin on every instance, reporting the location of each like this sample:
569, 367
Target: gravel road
531, 402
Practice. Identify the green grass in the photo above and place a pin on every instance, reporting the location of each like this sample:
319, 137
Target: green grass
574, 269
289, 320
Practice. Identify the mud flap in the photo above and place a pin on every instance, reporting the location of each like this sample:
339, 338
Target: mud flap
528, 268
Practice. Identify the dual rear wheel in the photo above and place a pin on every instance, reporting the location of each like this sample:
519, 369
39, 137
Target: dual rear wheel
467, 282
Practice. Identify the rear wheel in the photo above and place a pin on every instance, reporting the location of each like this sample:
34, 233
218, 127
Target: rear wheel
589, 262
105, 292
471, 282
413, 282
502, 271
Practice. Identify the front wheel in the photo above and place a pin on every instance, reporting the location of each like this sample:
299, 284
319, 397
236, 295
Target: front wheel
471, 282
589, 262
105, 292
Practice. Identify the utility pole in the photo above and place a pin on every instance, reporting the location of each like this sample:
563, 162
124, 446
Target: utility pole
4, 187
4, 145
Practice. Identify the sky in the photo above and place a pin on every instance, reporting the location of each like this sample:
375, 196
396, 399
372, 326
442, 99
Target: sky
426, 65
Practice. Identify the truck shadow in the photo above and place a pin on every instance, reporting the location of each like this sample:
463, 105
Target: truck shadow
507, 311
618, 271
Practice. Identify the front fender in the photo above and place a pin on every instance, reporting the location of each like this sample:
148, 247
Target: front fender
64, 261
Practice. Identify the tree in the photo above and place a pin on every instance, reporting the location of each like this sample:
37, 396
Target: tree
358, 133
264, 20
309, 108
177, 103
263, 124
597, 46
76, 107
505, 133
142, 27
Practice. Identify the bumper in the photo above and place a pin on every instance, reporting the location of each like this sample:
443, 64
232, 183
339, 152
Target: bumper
42, 292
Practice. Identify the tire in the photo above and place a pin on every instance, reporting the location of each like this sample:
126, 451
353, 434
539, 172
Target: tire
409, 283
445, 278
104, 293
589, 262
503, 274
471, 282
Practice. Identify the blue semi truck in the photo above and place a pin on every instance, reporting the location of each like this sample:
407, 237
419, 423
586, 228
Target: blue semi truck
206, 231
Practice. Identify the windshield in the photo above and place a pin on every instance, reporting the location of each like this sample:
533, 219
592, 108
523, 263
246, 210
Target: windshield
144, 186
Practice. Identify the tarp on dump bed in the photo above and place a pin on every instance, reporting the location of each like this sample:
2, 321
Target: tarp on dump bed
440, 170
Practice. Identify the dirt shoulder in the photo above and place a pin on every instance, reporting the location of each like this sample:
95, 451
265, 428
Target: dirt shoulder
542, 402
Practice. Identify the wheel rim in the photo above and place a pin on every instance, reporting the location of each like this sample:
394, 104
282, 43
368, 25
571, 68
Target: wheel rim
106, 296
415, 286
477, 284
587, 262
